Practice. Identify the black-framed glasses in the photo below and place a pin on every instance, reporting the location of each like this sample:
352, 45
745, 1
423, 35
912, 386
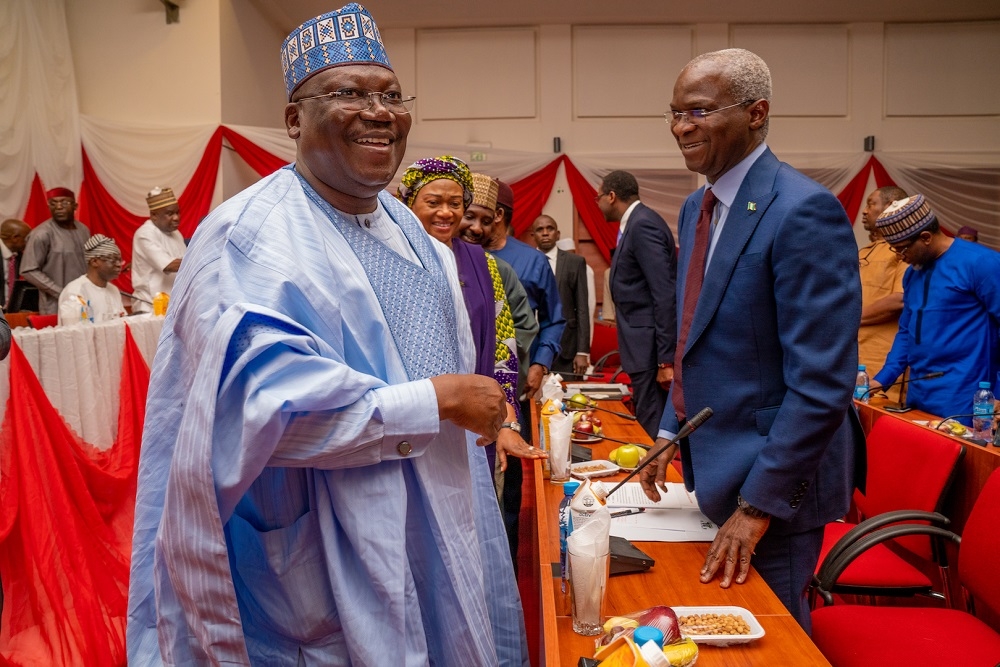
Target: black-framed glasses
695, 116
901, 249
599, 196
361, 100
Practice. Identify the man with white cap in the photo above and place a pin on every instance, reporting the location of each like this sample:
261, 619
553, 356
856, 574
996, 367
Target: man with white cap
951, 307
53, 255
91, 298
306, 492
157, 249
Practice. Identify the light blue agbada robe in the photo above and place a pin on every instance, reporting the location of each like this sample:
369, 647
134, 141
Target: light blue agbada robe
276, 521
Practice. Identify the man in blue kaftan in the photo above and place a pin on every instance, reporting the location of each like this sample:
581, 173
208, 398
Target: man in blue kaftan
951, 308
307, 495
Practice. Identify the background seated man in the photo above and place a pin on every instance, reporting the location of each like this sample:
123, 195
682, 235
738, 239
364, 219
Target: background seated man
92, 298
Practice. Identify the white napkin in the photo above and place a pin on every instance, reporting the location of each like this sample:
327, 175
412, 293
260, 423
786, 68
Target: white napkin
552, 388
560, 431
588, 547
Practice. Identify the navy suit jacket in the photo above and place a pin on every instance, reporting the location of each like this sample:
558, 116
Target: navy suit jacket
773, 350
571, 276
643, 276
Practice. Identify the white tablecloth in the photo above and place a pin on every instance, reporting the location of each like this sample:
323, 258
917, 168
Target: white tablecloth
80, 370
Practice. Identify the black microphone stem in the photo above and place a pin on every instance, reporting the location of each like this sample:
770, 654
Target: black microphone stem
651, 456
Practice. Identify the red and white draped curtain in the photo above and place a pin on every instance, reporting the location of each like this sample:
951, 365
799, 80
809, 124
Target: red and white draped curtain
66, 514
120, 163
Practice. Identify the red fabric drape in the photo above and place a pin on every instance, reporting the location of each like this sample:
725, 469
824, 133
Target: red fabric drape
260, 160
605, 234
66, 513
531, 193
196, 200
37, 210
103, 215
853, 195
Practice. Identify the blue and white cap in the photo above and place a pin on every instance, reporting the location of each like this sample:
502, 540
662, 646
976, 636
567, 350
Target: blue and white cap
347, 36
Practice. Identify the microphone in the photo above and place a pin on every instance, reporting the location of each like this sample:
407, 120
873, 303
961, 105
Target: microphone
133, 296
996, 438
901, 406
686, 430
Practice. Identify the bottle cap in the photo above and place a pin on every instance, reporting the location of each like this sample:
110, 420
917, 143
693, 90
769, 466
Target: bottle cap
570, 487
647, 633
985, 385
861, 367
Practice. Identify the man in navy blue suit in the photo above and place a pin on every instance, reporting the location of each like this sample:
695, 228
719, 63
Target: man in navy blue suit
769, 303
642, 282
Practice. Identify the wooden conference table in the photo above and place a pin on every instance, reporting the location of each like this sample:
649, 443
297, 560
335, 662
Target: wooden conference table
673, 581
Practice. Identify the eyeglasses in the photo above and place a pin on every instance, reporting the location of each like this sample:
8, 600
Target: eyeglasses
362, 100
901, 249
695, 116
111, 260
599, 196
61, 203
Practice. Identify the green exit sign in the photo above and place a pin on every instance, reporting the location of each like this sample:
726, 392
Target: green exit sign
477, 156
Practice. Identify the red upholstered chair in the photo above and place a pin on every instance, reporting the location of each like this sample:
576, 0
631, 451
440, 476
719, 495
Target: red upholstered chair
604, 351
909, 468
861, 636
42, 321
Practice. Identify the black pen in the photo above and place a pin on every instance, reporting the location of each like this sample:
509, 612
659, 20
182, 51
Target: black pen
636, 510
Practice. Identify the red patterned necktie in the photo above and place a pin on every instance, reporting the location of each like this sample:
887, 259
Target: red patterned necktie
11, 277
692, 288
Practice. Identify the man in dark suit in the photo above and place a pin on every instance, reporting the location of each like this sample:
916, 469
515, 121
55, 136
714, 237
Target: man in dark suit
571, 276
769, 302
13, 238
643, 273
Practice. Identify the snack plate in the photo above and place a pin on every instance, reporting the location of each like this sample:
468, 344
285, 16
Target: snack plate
927, 423
588, 469
756, 630
586, 439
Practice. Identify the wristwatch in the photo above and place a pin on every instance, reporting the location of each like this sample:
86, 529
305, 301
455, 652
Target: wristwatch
513, 426
664, 365
750, 510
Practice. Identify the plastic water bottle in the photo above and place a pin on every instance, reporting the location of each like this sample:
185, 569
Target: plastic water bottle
861, 385
565, 528
982, 409
650, 643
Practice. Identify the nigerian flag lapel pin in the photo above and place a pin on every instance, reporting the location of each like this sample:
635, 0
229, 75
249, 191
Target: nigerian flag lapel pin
751, 206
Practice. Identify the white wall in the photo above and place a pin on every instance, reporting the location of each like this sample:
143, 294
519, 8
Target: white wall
600, 89
133, 67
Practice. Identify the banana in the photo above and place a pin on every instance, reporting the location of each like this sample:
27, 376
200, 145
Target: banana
620, 622
681, 653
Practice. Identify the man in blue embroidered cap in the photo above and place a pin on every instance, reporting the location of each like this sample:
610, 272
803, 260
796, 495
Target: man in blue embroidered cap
307, 493
951, 306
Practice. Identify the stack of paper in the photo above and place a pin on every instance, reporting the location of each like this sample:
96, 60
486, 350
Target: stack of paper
675, 518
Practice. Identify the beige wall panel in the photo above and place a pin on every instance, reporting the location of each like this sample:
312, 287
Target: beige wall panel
459, 72
809, 66
253, 89
133, 67
942, 69
627, 71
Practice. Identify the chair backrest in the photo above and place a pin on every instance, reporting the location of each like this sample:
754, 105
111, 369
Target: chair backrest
604, 340
909, 467
980, 546
42, 321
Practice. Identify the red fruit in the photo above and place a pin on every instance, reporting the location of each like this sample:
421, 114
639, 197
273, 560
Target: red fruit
585, 426
596, 421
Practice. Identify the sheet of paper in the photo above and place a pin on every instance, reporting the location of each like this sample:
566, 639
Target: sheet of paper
675, 518
631, 495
